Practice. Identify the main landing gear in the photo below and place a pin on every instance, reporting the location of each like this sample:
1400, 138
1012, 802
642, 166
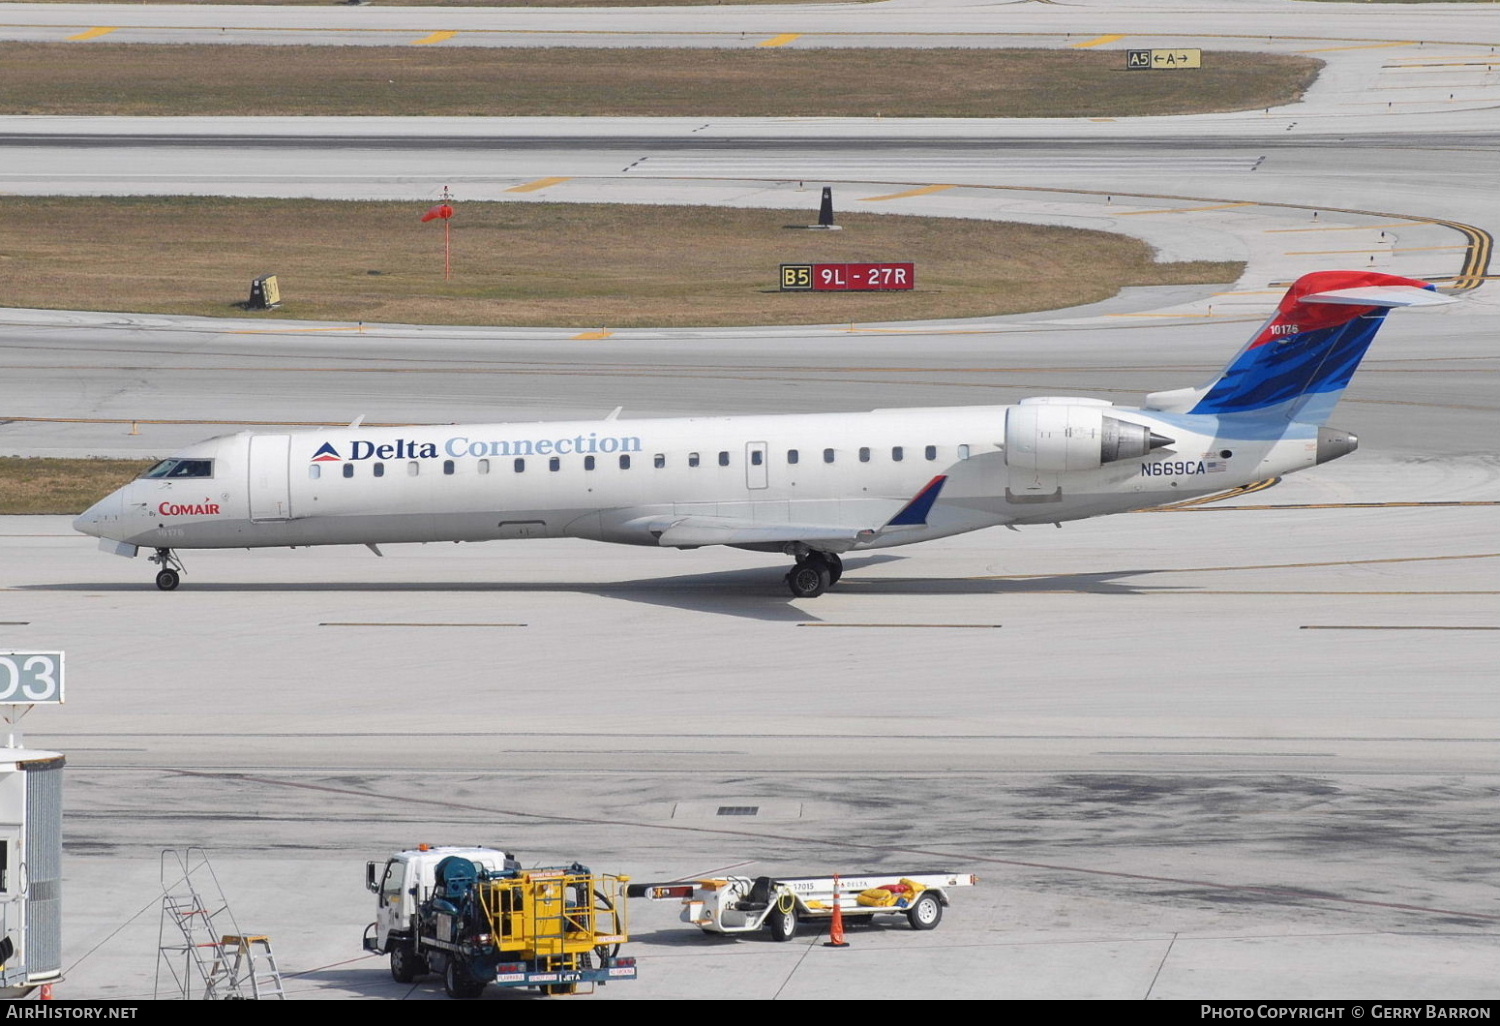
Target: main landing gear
170, 574
814, 573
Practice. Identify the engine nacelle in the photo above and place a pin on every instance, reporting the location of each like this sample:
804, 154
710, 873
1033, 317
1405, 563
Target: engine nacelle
1056, 438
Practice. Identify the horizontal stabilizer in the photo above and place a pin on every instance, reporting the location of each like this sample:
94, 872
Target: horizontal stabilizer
1382, 295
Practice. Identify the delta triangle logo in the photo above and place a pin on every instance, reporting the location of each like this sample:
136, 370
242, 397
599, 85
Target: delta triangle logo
327, 454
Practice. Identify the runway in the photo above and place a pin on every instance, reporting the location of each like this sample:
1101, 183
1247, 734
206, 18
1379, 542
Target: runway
1245, 750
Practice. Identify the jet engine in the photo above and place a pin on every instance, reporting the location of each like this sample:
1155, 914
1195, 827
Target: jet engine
1056, 437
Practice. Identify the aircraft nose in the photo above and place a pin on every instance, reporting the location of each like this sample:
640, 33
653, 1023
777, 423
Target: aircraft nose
101, 516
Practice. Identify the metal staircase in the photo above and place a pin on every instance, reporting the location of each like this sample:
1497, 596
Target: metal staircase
203, 951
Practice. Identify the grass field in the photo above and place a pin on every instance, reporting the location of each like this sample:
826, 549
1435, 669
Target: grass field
60, 486
554, 264
150, 79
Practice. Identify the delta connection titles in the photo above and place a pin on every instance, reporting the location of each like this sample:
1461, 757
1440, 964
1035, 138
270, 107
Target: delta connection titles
1337, 1012
462, 445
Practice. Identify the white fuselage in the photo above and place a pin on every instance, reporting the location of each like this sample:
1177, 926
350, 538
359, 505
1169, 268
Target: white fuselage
623, 480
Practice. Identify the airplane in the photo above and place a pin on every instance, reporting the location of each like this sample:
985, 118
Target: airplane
809, 486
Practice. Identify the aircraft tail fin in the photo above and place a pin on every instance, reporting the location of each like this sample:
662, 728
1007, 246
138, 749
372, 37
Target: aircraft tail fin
1300, 361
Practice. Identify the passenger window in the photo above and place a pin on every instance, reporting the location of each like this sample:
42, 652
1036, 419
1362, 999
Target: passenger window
555, 463
588, 463
931, 452
315, 471
692, 459
624, 462
520, 466
378, 470
659, 460
897, 454
963, 452
827, 455
413, 468
484, 466
348, 470
447, 466
757, 458
791, 455
723, 459
864, 455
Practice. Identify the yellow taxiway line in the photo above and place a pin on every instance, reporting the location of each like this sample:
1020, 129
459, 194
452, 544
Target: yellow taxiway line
1341, 252
1098, 41
539, 184
1350, 227
94, 33
1361, 46
926, 190
1183, 210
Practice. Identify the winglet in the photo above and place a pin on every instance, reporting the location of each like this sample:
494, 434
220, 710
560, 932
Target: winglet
914, 513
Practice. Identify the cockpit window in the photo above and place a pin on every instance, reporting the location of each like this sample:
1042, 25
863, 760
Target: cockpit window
181, 468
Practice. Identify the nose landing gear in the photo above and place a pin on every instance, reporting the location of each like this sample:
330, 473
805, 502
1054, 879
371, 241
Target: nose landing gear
170, 574
814, 573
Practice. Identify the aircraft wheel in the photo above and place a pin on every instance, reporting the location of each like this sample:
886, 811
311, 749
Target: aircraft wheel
926, 912
835, 567
168, 580
808, 580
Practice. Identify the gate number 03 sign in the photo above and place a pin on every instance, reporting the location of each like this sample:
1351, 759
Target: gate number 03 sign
31, 678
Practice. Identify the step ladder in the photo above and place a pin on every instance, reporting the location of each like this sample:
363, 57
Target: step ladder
200, 948
250, 968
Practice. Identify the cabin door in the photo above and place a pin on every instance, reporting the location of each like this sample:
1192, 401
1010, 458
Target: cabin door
270, 484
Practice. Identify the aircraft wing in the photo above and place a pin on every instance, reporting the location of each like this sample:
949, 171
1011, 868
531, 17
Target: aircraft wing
712, 530
705, 529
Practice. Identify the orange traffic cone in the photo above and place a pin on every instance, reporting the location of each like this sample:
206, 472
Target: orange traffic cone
46, 992
836, 931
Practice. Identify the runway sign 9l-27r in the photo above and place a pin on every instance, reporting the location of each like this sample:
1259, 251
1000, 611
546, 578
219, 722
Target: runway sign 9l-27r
31, 678
847, 277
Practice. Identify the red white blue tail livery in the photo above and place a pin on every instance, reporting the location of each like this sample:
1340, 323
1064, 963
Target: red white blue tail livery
1300, 361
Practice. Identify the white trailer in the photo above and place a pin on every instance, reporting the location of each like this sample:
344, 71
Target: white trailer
742, 904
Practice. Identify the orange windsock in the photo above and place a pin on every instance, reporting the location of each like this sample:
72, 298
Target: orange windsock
440, 212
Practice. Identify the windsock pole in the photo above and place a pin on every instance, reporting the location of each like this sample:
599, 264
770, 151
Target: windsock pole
447, 240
